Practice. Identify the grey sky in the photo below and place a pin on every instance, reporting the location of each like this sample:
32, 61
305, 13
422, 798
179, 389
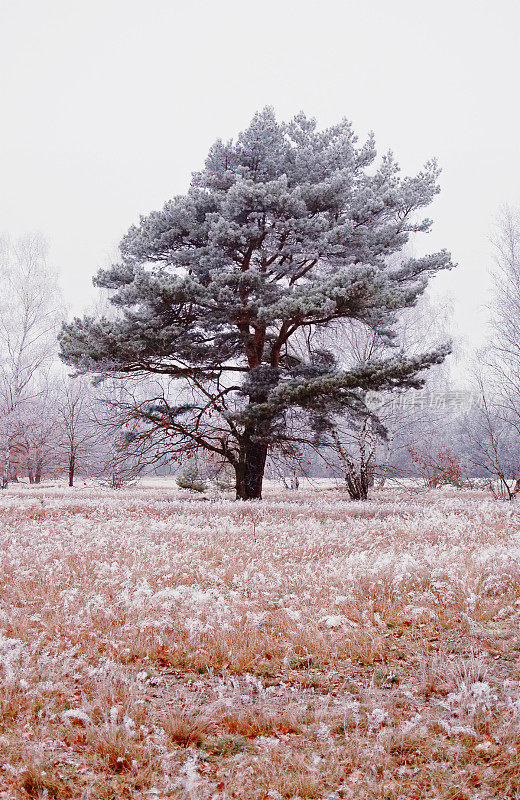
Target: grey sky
107, 107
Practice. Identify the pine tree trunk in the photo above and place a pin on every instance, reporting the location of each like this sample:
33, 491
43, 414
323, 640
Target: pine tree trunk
72, 465
250, 471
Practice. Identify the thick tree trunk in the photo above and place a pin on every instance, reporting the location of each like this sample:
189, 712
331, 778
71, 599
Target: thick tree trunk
358, 485
38, 471
250, 471
72, 464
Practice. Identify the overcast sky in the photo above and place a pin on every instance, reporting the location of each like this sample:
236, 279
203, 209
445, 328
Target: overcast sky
109, 105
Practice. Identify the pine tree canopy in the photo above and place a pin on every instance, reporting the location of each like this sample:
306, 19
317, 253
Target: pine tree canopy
286, 232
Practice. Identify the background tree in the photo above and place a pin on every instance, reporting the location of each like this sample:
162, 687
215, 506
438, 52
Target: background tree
30, 315
492, 440
374, 442
492, 430
38, 439
285, 231
82, 438
428, 417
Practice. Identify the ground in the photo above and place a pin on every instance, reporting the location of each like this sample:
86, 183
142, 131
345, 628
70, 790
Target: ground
156, 644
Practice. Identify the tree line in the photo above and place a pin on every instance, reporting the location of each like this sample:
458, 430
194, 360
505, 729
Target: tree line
275, 317
51, 424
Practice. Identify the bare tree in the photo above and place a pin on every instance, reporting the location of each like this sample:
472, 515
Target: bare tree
39, 432
375, 441
492, 435
494, 430
30, 313
80, 433
124, 447
506, 295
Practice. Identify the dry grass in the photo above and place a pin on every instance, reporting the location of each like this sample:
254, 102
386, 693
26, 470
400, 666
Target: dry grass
303, 647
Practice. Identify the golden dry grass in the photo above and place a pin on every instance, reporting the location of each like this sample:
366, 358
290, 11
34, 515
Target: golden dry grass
152, 645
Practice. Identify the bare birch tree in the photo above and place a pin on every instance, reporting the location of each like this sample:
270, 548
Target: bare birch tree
494, 431
30, 313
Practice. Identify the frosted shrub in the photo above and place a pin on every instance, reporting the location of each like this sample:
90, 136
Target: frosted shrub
191, 478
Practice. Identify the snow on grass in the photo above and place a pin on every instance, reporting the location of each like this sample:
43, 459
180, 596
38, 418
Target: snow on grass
303, 646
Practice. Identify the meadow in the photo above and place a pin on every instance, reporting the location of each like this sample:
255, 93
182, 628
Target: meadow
158, 644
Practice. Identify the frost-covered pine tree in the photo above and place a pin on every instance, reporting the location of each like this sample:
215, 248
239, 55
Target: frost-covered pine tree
286, 230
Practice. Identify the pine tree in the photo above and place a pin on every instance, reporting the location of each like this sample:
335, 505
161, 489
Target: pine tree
285, 232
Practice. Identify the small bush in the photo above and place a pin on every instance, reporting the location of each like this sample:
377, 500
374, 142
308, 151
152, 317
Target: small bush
191, 478
437, 469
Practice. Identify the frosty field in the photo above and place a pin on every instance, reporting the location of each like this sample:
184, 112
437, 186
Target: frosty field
154, 644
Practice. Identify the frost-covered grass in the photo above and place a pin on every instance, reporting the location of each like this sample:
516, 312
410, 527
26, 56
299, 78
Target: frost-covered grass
155, 644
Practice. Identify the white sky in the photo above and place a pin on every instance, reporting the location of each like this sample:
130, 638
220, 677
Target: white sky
108, 106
